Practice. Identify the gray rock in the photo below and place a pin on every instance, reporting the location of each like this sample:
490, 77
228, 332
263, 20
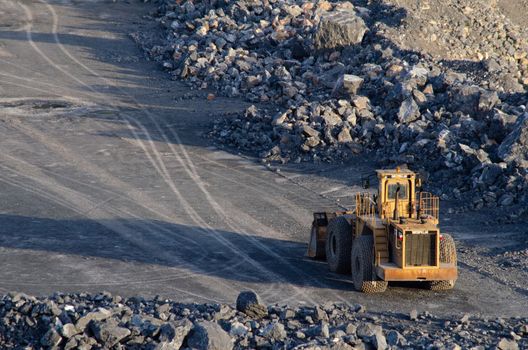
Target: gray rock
413, 315
279, 118
108, 332
173, 333
465, 99
325, 331
293, 10
309, 131
348, 84
419, 97
506, 200
287, 314
505, 344
488, 100
473, 157
379, 341
320, 314
395, 338
344, 136
71, 344
515, 145
339, 29
238, 329
164, 345
332, 75
275, 331
501, 125
331, 119
342, 346
68, 330
207, 335
312, 142
409, 111
98, 315
491, 173
51, 338
361, 102
249, 303
350, 329
300, 335
367, 330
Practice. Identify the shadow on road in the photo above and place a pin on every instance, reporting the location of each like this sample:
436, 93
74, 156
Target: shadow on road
228, 255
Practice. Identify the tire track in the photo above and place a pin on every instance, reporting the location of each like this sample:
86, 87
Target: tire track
163, 172
191, 170
192, 214
82, 205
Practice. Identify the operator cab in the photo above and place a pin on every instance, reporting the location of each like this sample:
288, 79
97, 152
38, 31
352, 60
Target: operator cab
396, 193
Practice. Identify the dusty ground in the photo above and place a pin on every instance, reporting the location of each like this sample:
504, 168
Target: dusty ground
107, 184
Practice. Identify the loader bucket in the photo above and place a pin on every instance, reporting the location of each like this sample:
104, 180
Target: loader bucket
316, 245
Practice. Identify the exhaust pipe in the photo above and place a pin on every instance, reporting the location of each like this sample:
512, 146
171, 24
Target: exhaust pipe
396, 214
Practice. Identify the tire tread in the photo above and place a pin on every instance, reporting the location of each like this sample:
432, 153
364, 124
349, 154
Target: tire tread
339, 227
367, 283
448, 255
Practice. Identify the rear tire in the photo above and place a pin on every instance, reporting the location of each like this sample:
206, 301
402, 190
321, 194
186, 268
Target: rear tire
448, 252
441, 285
339, 245
447, 255
362, 266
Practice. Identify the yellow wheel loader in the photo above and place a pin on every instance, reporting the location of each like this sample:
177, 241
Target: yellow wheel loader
389, 236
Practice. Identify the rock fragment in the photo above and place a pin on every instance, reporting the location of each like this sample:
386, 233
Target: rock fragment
409, 111
108, 333
515, 145
339, 29
207, 335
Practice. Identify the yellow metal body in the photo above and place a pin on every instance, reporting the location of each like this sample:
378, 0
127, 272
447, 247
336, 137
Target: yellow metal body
445, 272
396, 212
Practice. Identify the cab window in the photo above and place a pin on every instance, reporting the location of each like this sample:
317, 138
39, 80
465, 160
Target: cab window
391, 191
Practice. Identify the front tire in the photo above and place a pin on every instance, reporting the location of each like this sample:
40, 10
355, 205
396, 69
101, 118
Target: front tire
339, 245
448, 255
362, 266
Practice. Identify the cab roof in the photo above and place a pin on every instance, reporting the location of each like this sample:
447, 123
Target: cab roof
385, 172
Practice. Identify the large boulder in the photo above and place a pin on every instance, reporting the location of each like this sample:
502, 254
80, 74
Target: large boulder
249, 303
209, 336
515, 145
339, 29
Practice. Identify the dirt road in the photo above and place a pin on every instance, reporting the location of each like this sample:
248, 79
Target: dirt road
107, 184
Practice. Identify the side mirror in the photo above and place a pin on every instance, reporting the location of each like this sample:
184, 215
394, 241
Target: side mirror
418, 182
366, 183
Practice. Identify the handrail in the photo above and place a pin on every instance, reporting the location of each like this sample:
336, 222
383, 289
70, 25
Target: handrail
365, 206
429, 205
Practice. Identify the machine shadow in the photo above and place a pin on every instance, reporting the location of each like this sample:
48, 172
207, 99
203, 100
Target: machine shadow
196, 250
